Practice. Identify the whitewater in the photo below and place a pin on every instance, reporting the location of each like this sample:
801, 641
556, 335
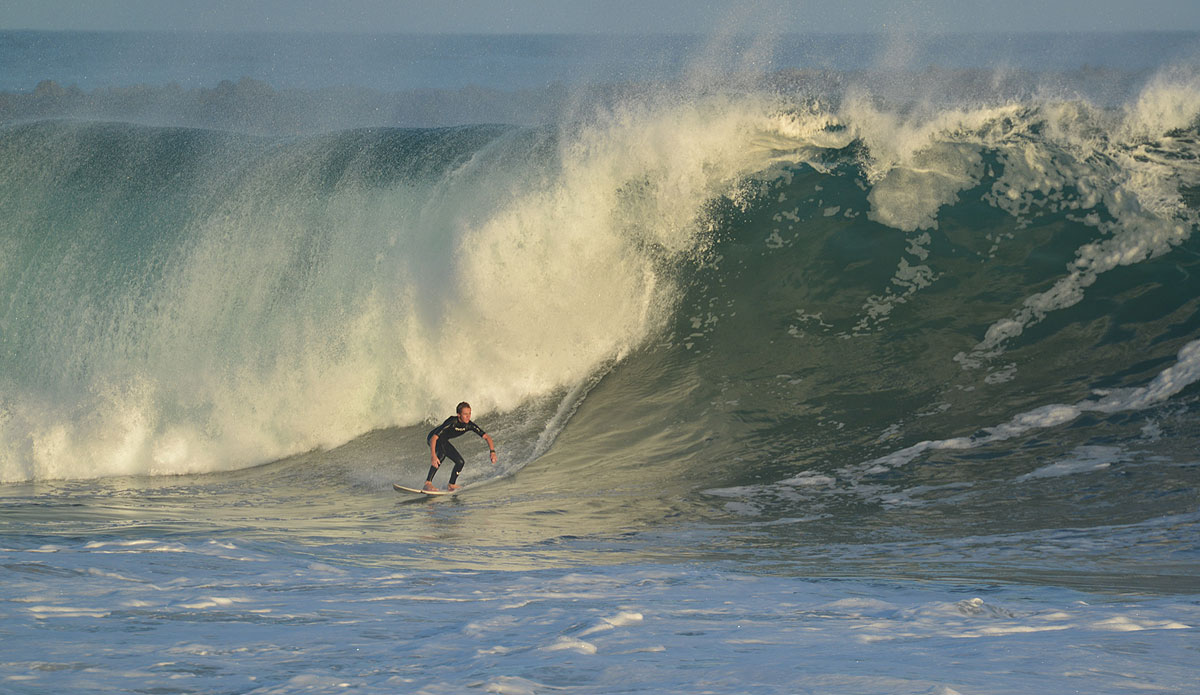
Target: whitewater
860, 364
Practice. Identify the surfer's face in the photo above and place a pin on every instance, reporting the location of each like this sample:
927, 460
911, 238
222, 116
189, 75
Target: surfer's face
464, 415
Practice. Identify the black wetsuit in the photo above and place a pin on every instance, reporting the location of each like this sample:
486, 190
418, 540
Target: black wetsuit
451, 428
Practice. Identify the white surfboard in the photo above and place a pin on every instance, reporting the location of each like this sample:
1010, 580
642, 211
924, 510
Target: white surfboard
419, 491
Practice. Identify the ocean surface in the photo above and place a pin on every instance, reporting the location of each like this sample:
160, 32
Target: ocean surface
831, 364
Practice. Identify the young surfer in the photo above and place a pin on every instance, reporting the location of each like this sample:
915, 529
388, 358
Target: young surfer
440, 446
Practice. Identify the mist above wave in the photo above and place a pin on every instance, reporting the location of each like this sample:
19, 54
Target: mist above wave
251, 105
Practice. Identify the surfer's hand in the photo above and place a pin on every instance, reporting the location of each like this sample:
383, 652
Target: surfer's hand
436, 463
493, 458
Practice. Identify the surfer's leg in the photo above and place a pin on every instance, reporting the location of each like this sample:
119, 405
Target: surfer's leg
459, 462
441, 454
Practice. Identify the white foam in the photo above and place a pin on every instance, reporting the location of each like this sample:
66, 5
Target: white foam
621, 619
46, 612
135, 546
810, 479
1124, 623
513, 685
859, 606
213, 602
304, 683
571, 644
1087, 459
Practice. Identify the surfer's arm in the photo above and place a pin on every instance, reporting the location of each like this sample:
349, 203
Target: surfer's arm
491, 445
433, 451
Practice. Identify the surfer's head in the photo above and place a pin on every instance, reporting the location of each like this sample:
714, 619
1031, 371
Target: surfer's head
464, 411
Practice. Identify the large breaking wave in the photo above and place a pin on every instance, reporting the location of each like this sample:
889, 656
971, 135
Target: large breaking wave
854, 276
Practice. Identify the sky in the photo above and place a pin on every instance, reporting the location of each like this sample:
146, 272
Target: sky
601, 16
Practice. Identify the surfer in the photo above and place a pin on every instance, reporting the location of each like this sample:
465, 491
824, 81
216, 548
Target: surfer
440, 447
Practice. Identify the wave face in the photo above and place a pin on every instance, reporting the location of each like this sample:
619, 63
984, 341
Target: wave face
774, 297
188, 301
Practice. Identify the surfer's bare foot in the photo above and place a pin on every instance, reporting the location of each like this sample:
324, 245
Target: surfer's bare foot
452, 486
429, 487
